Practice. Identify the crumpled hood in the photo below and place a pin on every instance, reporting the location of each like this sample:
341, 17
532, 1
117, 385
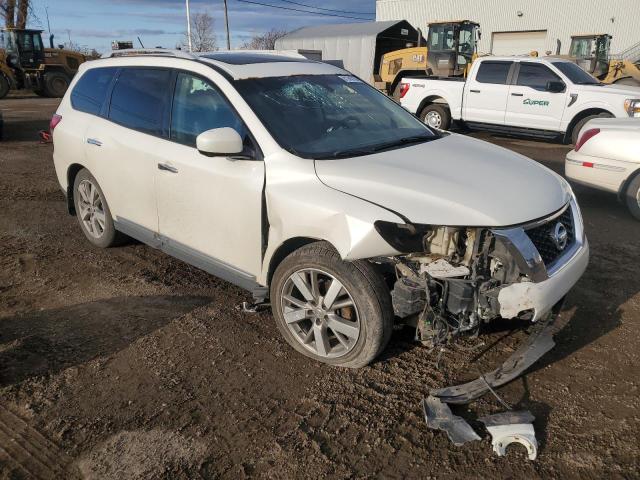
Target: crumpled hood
455, 180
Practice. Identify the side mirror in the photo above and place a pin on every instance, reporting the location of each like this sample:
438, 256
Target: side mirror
555, 86
222, 142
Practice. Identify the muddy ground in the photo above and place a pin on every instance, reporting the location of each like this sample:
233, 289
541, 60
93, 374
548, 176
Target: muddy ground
125, 363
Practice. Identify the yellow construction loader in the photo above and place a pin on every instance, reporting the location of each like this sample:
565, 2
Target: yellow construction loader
26, 64
592, 53
451, 47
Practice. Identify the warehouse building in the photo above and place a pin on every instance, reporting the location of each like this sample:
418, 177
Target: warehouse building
519, 26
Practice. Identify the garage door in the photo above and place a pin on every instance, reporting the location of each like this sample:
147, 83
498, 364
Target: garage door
518, 43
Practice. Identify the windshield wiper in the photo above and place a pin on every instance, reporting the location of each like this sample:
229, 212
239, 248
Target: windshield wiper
383, 146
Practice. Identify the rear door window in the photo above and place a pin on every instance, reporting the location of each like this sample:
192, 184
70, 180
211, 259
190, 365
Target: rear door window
535, 75
90, 92
140, 99
198, 106
493, 72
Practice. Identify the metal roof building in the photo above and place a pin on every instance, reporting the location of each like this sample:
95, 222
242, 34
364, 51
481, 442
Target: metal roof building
358, 45
519, 26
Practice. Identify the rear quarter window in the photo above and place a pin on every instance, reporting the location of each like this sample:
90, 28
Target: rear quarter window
90, 91
493, 72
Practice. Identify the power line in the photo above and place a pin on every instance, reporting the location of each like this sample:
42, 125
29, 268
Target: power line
327, 9
300, 10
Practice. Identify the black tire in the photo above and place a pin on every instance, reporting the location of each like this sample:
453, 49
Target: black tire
364, 285
632, 197
55, 84
578, 126
109, 236
440, 116
4, 86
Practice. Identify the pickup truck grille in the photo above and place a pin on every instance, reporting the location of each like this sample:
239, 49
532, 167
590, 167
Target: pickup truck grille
542, 237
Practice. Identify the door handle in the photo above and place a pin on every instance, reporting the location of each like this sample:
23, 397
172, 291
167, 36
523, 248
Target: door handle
517, 94
93, 141
167, 168
474, 91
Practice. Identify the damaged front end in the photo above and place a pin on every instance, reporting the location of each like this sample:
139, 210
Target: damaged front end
454, 279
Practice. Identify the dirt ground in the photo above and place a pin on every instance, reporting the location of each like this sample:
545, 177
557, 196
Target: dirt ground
126, 363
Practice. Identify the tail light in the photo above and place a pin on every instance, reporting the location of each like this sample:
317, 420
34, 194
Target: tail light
55, 120
586, 136
404, 88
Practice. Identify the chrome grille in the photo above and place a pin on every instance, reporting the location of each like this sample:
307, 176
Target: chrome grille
542, 236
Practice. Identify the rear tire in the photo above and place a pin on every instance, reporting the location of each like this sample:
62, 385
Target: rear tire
93, 212
4, 86
632, 197
436, 116
55, 84
578, 126
364, 319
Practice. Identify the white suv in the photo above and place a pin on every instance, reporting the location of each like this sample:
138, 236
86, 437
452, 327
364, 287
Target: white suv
300, 183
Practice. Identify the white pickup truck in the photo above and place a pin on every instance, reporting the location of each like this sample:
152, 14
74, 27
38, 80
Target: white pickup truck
542, 97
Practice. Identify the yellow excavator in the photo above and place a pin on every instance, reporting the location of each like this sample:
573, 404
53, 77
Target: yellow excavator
451, 47
26, 64
592, 53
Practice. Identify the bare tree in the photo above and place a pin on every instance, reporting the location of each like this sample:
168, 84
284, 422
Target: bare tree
17, 18
23, 14
203, 38
8, 10
266, 41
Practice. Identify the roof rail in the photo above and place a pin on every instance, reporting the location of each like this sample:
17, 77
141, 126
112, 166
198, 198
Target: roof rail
133, 52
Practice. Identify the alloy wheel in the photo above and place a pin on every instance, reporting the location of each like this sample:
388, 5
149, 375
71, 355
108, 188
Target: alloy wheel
320, 313
91, 209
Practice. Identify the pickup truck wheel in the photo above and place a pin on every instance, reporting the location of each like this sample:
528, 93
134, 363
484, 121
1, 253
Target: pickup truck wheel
632, 197
436, 116
93, 212
330, 310
578, 126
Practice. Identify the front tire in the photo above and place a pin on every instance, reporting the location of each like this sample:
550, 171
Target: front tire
632, 197
93, 212
333, 311
436, 116
55, 84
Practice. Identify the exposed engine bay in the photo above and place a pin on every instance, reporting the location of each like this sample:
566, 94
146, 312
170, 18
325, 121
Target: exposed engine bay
452, 285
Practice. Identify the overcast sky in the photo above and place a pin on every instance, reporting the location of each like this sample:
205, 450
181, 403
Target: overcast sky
162, 22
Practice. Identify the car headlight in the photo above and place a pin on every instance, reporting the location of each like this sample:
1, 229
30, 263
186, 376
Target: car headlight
632, 107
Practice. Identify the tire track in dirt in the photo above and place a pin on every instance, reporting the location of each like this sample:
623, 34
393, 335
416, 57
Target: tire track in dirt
25, 449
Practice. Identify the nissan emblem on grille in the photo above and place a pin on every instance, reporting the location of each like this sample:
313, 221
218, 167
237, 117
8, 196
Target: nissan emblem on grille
559, 236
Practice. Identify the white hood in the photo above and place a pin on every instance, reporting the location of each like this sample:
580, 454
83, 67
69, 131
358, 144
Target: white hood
456, 181
628, 91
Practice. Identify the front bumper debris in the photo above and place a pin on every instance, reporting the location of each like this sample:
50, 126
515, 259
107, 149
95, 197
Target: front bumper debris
439, 417
538, 343
511, 427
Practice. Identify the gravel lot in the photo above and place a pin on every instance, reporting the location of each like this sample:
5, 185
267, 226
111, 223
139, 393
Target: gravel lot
125, 363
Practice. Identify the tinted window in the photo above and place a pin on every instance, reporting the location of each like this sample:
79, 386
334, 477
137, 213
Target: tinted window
535, 75
575, 73
140, 98
493, 72
197, 107
89, 93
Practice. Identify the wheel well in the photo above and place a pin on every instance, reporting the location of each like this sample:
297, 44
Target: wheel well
72, 171
580, 116
625, 184
284, 250
431, 100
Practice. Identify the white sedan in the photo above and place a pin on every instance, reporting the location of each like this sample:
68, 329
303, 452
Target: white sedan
607, 157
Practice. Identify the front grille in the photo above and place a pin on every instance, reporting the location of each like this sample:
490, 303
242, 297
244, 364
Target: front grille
542, 237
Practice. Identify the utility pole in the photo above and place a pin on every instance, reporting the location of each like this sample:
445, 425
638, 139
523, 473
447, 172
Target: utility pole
226, 21
189, 28
46, 11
